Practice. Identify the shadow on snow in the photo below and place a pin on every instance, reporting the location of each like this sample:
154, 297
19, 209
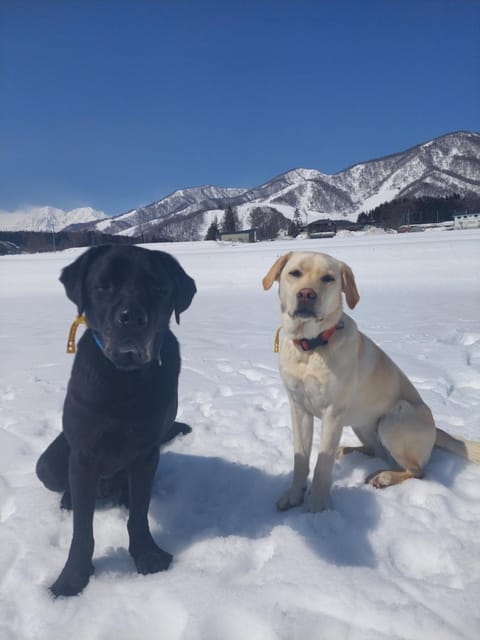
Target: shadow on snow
197, 498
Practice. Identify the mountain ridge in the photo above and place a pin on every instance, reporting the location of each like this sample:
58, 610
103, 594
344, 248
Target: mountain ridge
47, 218
437, 167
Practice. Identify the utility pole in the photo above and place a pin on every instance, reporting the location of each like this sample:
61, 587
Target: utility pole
52, 226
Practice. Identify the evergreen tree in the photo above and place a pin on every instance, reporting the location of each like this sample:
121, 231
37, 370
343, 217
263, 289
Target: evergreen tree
212, 231
268, 221
295, 226
230, 221
362, 218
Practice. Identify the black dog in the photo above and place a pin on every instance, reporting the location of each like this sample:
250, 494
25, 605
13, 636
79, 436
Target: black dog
121, 400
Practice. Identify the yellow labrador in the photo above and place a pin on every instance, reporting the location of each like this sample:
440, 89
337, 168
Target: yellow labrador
334, 372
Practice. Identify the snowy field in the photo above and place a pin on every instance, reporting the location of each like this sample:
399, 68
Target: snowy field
403, 563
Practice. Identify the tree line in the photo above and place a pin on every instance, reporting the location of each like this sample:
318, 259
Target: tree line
41, 241
424, 210
267, 220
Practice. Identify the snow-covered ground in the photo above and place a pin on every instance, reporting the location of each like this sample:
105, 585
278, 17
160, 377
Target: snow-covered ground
403, 563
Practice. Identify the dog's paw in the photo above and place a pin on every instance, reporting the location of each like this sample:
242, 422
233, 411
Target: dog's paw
66, 501
341, 451
153, 561
380, 480
177, 428
316, 502
71, 583
183, 428
292, 498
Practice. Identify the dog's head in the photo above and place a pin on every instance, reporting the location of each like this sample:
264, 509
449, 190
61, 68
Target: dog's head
310, 289
128, 295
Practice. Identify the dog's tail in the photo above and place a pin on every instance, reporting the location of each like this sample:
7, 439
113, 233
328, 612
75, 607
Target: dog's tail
464, 448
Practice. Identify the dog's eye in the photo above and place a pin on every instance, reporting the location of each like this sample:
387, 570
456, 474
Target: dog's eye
327, 278
296, 273
102, 288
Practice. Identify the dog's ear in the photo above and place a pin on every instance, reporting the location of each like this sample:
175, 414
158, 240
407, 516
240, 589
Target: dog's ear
275, 271
184, 285
349, 286
73, 276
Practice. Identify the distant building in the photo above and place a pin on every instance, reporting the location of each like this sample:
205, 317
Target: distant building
466, 221
247, 235
411, 228
348, 225
325, 228
8, 248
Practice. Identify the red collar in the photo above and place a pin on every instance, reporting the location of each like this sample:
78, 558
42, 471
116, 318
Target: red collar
320, 341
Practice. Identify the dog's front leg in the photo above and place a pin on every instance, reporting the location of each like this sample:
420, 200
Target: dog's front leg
78, 568
302, 425
319, 498
148, 556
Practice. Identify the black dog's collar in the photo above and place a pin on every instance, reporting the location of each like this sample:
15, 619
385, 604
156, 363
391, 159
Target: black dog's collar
82, 319
71, 346
98, 342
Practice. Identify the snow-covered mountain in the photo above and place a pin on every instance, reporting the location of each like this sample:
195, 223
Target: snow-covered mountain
438, 167
443, 166
446, 165
184, 202
47, 218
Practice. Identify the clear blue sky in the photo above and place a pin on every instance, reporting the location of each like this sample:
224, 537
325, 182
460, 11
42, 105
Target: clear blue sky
115, 104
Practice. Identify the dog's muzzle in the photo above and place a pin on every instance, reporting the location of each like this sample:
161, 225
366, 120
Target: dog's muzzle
128, 353
129, 344
128, 356
306, 299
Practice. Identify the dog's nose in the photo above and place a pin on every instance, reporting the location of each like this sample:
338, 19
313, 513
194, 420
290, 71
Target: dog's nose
129, 318
306, 294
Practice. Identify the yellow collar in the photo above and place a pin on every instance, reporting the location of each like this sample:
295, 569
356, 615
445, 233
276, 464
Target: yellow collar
276, 342
71, 348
